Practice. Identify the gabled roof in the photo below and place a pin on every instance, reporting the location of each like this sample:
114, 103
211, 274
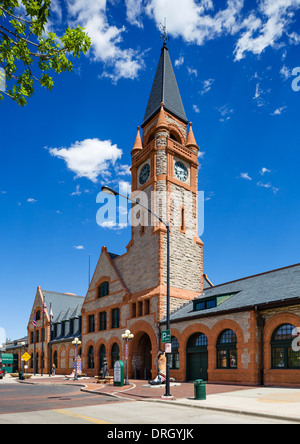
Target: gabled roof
262, 290
165, 89
64, 305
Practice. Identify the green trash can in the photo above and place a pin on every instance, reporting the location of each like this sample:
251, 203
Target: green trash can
200, 390
21, 376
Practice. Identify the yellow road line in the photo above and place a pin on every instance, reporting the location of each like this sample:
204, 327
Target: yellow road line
86, 418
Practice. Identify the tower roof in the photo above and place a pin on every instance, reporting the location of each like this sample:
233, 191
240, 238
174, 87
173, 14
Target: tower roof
165, 89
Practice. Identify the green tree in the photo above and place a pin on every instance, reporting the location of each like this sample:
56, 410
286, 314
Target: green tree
30, 54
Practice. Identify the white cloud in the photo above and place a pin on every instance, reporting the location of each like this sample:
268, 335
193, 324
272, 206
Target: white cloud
279, 111
3, 192
89, 158
133, 12
196, 109
245, 176
264, 171
225, 112
192, 71
106, 38
197, 22
77, 192
191, 19
78, 247
179, 62
286, 72
31, 200
264, 185
123, 170
268, 186
125, 187
207, 84
266, 26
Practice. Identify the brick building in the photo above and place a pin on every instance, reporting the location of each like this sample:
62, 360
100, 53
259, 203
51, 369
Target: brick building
236, 332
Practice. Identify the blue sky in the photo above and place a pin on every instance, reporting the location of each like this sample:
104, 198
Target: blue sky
234, 62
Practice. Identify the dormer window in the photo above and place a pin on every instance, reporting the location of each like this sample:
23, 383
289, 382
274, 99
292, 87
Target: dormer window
103, 290
211, 302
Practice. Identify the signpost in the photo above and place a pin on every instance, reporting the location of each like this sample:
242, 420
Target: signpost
166, 336
119, 374
26, 357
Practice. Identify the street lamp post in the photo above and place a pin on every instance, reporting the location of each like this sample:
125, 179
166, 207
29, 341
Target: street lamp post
76, 343
22, 353
113, 192
127, 336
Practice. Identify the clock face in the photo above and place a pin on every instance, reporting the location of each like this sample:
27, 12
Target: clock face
181, 171
145, 174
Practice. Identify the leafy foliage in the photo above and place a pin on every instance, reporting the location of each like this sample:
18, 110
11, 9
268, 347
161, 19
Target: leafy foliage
29, 53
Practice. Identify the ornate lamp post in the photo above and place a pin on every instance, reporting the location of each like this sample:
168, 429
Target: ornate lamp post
127, 336
76, 343
113, 192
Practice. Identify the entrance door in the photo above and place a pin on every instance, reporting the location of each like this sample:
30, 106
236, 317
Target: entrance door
197, 358
197, 365
146, 358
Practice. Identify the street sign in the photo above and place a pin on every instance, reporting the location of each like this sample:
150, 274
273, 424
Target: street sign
166, 336
168, 348
26, 357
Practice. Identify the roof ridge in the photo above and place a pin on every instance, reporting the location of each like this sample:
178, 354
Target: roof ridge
72, 295
255, 275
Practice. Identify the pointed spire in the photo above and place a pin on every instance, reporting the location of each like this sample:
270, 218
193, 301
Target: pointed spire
162, 123
191, 141
165, 89
138, 146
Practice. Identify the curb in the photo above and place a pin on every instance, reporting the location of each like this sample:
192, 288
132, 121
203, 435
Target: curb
83, 388
228, 410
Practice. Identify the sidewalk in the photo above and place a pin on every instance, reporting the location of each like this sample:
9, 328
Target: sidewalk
268, 402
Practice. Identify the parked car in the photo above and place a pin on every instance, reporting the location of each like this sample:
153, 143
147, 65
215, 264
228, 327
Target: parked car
2, 373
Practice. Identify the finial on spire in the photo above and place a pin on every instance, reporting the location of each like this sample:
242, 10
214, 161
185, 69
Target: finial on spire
165, 37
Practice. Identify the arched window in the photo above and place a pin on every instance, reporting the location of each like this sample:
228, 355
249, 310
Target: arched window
103, 289
55, 359
227, 350
174, 136
197, 340
174, 363
283, 355
91, 357
38, 315
115, 354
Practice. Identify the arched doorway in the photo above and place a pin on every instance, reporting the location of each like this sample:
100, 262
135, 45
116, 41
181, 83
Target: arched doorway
197, 357
142, 357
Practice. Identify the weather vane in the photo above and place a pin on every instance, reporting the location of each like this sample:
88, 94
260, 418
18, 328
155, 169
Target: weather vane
165, 37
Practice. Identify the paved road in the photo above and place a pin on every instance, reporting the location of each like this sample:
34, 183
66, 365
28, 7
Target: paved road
15, 398
31, 404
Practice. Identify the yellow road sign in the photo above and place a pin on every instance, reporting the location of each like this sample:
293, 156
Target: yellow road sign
26, 357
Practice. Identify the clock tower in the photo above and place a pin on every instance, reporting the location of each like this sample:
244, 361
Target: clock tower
165, 169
